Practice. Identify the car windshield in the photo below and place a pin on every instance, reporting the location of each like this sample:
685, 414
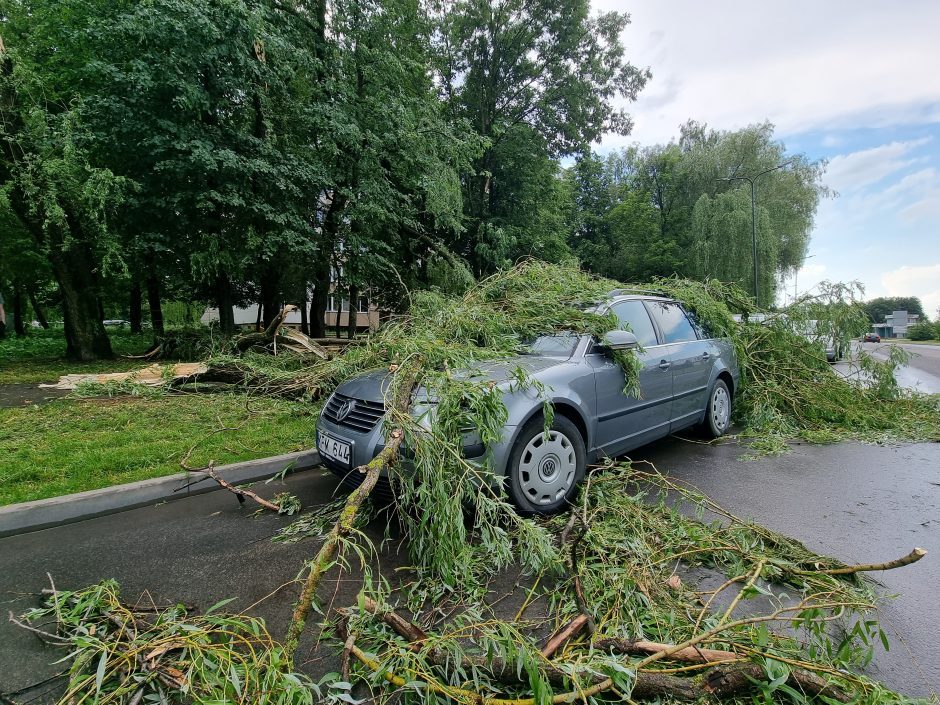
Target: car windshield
552, 345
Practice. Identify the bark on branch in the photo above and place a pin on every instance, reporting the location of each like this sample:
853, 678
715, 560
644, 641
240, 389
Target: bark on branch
726, 680
241, 492
344, 524
911, 557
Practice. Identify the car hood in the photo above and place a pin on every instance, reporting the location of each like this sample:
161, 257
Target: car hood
373, 386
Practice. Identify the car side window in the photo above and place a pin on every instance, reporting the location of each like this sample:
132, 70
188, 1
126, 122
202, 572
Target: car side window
634, 317
672, 322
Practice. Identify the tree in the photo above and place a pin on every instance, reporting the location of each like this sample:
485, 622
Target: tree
543, 67
671, 209
50, 181
882, 306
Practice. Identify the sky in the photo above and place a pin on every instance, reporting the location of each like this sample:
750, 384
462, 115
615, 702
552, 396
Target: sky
854, 83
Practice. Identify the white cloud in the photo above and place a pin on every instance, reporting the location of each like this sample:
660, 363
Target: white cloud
920, 281
803, 64
848, 172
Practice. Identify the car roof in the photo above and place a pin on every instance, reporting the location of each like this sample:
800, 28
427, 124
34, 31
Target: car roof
618, 295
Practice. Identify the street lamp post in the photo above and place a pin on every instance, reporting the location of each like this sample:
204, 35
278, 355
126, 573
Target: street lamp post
751, 180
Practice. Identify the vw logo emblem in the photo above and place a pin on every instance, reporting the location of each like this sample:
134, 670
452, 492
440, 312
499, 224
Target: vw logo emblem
345, 409
548, 467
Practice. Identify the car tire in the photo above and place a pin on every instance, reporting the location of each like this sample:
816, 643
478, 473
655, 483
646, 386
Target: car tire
718, 412
543, 473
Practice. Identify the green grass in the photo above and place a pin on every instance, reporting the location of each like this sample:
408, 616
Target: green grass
40, 356
72, 445
908, 341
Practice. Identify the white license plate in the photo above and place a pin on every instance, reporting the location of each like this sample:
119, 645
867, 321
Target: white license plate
333, 448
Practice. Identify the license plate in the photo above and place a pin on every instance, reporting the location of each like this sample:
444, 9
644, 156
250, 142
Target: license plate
333, 448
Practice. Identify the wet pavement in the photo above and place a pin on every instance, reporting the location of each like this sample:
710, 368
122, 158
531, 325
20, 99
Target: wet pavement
922, 372
12, 395
857, 503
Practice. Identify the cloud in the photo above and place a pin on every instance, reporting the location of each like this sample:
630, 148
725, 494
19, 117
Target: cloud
920, 281
849, 172
803, 65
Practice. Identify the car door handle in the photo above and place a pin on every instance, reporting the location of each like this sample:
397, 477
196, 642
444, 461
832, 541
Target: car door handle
664, 364
705, 355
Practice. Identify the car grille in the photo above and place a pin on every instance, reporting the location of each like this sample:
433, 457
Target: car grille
363, 417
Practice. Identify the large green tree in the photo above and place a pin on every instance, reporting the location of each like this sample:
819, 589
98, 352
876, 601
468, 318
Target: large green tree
542, 72
50, 179
882, 306
680, 208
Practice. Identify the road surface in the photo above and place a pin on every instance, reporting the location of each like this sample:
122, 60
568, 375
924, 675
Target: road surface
858, 503
922, 373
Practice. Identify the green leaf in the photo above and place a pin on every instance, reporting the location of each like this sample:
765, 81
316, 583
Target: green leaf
99, 674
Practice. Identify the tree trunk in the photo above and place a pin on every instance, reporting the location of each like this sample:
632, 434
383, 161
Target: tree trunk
38, 310
136, 308
353, 311
318, 303
19, 326
338, 297
85, 336
304, 312
270, 293
223, 298
156, 308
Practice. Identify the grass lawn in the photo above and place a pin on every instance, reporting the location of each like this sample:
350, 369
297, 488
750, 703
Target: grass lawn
40, 356
71, 445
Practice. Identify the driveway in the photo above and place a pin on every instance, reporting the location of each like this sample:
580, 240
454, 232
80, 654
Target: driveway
855, 502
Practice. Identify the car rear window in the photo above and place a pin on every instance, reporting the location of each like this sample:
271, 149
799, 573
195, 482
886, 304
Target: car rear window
634, 317
672, 321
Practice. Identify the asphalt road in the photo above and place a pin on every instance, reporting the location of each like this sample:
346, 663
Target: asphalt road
855, 502
923, 369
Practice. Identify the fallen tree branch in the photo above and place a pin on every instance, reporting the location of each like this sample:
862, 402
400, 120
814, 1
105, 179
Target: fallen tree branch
635, 647
268, 334
241, 492
728, 681
340, 530
647, 685
911, 557
570, 630
344, 524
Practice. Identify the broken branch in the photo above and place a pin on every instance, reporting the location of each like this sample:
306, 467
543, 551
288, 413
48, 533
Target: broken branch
563, 635
241, 492
911, 557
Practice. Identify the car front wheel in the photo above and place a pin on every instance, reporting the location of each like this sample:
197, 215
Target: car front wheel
718, 413
544, 469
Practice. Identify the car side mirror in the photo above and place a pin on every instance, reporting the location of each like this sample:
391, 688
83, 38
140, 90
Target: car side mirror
620, 340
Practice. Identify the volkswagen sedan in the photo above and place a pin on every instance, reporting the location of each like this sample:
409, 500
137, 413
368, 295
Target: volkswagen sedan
688, 378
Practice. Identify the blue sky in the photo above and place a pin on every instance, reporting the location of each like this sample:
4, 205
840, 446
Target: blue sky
854, 83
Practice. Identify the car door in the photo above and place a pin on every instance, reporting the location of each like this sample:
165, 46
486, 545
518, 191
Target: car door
692, 360
625, 421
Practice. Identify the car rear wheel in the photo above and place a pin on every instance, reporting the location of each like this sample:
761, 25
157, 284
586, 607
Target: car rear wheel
718, 414
544, 469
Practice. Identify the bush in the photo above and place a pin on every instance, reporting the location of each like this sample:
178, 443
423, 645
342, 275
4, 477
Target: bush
925, 330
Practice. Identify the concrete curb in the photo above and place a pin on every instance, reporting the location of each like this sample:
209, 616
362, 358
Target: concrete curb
56, 511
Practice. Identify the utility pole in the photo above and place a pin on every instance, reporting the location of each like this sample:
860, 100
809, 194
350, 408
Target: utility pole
751, 180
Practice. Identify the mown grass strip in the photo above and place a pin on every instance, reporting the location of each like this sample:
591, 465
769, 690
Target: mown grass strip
73, 445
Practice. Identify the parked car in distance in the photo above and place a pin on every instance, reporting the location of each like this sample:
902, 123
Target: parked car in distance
871, 338
688, 378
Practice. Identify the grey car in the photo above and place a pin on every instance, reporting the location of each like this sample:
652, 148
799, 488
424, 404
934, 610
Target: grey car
688, 378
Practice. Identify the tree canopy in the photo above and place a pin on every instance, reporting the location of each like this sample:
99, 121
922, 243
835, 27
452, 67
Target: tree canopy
238, 152
882, 306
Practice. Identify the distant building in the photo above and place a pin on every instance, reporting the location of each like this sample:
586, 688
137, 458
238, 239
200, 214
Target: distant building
367, 315
896, 324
